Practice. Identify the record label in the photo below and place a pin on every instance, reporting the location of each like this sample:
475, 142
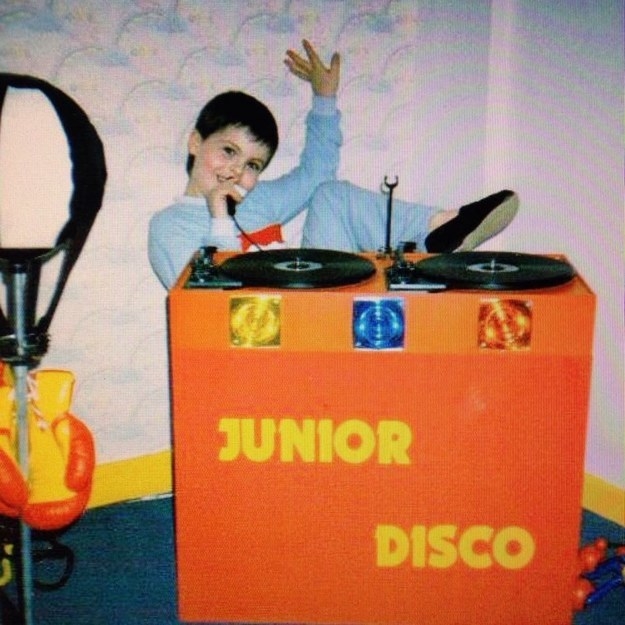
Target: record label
491, 267
298, 268
495, 270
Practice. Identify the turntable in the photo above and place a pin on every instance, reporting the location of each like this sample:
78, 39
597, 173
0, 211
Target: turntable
318, 268
490, 271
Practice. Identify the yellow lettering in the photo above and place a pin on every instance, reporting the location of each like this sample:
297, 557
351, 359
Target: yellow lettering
325, 429
262, 450
394, 439
444, 552
393, 545
443, 546
418, 536
232, 448
522, 555
466, 546
354, 441
297, 438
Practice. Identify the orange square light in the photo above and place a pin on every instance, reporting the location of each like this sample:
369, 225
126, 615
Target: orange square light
505, 324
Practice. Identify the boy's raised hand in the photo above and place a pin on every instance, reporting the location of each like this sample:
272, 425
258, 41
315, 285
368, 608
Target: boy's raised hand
323, 80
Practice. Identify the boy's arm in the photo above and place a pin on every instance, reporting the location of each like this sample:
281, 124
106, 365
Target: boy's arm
177, 232
161, 256
279, 200
323, 80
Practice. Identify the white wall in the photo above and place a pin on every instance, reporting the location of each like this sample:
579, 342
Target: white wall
453, 97
564, 121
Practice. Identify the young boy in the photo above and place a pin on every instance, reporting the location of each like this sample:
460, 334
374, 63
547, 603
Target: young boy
233, 142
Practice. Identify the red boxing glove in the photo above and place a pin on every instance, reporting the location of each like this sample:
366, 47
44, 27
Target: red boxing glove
61, 458
62, 454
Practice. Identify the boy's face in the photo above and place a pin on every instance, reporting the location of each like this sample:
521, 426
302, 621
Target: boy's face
231, 156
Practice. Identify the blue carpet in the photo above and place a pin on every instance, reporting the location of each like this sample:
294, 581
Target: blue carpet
125, 570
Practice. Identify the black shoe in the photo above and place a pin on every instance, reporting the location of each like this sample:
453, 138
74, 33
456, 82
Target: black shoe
474, 223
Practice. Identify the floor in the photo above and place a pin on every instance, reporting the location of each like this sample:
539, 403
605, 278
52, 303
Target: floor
124, 571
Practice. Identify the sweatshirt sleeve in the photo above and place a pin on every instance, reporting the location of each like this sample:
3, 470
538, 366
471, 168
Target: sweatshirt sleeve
178, 231
279, 200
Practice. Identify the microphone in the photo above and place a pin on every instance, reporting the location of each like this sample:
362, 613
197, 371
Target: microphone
231, 204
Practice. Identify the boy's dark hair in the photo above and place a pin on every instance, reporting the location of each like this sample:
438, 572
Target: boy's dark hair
235, 108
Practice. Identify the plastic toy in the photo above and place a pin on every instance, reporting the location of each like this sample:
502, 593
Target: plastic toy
602, 570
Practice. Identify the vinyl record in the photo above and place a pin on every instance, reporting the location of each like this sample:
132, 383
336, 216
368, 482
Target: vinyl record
298, 268
495, 270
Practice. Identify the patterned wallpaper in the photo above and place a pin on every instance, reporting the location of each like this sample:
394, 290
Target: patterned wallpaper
416, 103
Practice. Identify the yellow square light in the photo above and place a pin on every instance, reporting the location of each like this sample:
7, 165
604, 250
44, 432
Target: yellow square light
505, 324
255, 321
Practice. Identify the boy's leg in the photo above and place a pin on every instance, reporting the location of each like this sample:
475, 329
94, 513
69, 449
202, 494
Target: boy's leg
328, 223
344, 217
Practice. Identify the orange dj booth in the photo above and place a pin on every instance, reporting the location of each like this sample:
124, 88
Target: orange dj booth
379, 452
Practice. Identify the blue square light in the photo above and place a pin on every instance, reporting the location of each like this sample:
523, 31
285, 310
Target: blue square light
378, 323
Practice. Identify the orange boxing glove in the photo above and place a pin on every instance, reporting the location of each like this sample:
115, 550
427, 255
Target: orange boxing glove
62, 454
13, 489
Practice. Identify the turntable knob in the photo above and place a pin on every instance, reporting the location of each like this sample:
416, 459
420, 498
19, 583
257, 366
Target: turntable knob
207, 254
403, 272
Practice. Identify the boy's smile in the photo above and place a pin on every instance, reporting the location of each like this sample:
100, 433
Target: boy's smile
228, 157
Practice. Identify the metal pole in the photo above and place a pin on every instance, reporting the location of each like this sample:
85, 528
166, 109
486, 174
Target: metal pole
20, 373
